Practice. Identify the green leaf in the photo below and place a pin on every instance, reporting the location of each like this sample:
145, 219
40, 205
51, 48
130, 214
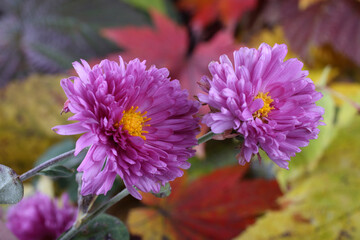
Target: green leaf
57, 171
55, 150
11, 188
59, 33
164, 192
146, 5
218, 154
62, 147
104, 227
104, 13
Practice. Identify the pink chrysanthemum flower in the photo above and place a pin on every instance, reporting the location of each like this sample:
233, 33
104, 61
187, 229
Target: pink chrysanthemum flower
267, 100
40, 218
139, 125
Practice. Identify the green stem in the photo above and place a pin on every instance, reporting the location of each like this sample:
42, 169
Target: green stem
206, 137
46, 164
87, 217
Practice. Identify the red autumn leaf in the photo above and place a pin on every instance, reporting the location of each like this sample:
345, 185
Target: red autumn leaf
207, 11
333, 22
196, 66
166, 45
217, 206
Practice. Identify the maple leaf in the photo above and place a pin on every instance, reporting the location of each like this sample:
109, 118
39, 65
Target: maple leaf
332, 22
207, 11
197, 65
217, 206
166, 45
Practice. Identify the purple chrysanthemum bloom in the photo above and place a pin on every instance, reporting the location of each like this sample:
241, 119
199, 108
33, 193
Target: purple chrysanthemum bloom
139, 124
267, 100
41, 218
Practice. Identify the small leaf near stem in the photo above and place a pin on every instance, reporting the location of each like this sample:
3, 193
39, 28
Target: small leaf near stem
102, 227
46, 164
75, 229
206, 137
57, 172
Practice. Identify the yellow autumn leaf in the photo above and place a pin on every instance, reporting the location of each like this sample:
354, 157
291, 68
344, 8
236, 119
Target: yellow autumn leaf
275, 35
323, 204
149, 224
339, 113
303, 4
346, 91
307, 160
29, 109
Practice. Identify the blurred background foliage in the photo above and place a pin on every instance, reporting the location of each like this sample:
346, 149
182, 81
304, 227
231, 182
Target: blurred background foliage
315, 199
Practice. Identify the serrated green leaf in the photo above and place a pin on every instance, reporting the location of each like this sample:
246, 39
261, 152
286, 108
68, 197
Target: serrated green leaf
104, 227
164, 192
11, 188
57, 171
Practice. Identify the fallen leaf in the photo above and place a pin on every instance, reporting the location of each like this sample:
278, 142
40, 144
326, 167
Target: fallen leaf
216, 206
29, 109
332, 22
324, 204
196, 65
166, 45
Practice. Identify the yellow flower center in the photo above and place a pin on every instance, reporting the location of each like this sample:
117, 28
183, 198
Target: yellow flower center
264, 111
134, 122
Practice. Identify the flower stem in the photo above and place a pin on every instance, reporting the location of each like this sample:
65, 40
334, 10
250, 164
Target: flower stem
89, 216
206, 137
46, 164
